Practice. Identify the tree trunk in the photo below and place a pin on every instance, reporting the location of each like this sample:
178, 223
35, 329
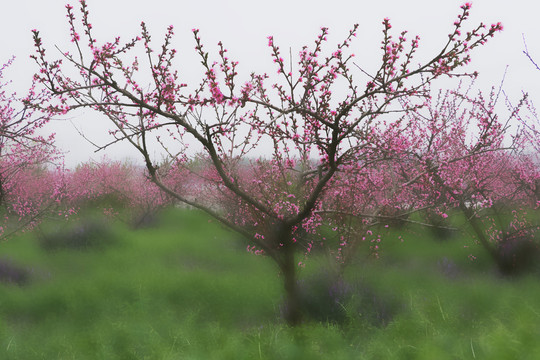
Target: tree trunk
292, 308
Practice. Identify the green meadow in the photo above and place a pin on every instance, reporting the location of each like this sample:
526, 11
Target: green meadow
185, 288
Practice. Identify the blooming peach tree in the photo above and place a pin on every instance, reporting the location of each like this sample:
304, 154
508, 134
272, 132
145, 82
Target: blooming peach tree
28, 190
468, 156
270, 144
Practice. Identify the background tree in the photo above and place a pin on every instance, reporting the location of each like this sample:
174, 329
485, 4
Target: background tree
310, 121
28, 188
472, 159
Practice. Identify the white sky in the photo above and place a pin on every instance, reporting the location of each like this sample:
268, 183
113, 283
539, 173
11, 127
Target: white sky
243, 26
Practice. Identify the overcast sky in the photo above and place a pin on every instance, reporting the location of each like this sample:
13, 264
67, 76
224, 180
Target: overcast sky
243, 26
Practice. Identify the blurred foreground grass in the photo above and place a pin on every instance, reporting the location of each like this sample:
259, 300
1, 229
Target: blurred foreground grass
187, 289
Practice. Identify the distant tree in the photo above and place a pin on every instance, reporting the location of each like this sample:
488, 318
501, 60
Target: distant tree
312, 121
118, 189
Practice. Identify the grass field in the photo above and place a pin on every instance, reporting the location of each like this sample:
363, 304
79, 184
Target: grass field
187, 289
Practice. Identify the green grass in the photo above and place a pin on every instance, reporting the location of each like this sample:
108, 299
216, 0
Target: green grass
187, 289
